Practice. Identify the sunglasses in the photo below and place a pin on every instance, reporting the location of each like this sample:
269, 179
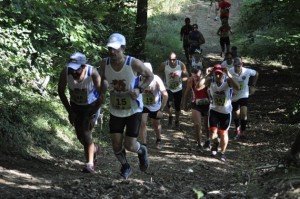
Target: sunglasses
76, 73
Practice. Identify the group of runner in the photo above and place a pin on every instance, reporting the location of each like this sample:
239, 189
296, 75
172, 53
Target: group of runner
218, 91
135, 94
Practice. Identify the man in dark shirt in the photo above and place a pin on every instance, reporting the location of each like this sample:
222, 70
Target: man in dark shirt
196, 39
184, 35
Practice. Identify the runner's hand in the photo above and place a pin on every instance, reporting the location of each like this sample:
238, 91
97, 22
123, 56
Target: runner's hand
72, 117
252, 90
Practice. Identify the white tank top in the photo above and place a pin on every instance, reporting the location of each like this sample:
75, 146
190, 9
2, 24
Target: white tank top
224, 64
152, 94
121, 83
198, 65
220, 97
84, 92
173, 77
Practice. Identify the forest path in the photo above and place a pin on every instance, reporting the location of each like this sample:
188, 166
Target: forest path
179, 168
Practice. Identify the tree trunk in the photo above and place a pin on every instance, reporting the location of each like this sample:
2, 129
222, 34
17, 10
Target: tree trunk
140, 28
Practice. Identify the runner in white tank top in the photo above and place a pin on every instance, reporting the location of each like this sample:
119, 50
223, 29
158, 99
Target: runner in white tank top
86, 98
155, 98
122, 73
220, 92
173, 71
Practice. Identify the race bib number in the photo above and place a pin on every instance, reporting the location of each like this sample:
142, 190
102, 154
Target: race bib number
174, 84
79, 96
120, 101
220, 100
148, 99
242, 85
204, 101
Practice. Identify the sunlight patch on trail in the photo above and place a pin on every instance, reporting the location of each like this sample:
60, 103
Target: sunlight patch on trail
12, 177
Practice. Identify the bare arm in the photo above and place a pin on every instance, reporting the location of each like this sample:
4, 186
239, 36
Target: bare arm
62, 85
219, 31
185, 74
161, 70
161, 87
187, 90
139, 67
100, 89
104, 83
255, 78
201, 38
231, 81
165, 97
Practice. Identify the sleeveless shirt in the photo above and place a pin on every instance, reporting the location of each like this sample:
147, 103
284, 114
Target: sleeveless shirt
121, 83
173, 77
83, 92
220, 97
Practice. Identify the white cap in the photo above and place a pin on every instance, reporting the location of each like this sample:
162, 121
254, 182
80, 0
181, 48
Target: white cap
148, 65
76, 60
116, 40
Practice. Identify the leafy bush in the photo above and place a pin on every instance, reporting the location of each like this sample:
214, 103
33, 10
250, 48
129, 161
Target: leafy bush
36, 38
272, 27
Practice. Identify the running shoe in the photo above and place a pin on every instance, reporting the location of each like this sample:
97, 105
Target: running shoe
158, 144
88, 168
126, 171
206, 144
214, 148
199, 146
223, 157
143, 158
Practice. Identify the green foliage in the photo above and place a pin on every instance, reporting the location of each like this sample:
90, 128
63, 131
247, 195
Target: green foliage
164, 30
294, 113
36, 39
272, 27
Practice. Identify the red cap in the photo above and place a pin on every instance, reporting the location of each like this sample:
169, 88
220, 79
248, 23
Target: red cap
218, 68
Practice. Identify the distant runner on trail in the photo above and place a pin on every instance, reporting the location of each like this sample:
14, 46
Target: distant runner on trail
174, 72
214, 3
200, 105
224, 6
155, 98
220, 92
234, 52
126, 103
196, 39
224, 31
197, 60
184, 37
86, 98
240, 97
228, 61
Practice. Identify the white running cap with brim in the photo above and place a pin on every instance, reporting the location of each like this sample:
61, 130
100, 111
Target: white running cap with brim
76, 60
116, 40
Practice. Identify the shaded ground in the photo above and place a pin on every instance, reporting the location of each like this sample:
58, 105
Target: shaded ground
179, 167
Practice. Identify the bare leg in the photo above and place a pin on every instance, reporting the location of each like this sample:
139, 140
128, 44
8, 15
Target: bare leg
143, 129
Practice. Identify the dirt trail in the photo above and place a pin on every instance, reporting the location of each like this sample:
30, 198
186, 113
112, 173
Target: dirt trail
179, 168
